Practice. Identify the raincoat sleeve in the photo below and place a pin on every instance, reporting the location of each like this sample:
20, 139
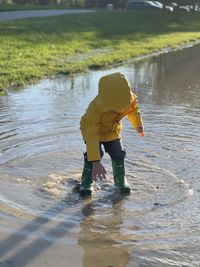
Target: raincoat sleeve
134, 117
91, 132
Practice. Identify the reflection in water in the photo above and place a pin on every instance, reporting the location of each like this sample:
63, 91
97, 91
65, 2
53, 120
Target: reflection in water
41, 156
100, 236
169, 79
177, 78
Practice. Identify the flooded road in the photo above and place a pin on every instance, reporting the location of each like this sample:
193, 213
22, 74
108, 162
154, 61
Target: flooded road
41, 156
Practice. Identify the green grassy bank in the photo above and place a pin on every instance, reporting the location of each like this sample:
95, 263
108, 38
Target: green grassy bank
31, 49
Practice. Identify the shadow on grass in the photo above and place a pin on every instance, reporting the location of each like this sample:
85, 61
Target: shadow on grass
104, 25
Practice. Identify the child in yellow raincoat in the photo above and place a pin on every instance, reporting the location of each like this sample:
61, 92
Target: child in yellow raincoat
101, 125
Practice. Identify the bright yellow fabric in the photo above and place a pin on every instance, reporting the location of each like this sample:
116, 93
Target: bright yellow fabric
102, 119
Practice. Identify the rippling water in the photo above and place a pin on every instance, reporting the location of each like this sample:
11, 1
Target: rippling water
41, 159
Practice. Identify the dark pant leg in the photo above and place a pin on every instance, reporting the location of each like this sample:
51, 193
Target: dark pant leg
100, 149
117, 153
114, 149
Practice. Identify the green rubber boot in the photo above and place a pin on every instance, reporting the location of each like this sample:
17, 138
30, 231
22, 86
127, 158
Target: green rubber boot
119, 176
86, 180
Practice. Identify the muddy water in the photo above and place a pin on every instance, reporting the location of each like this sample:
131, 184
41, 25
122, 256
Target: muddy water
41, 158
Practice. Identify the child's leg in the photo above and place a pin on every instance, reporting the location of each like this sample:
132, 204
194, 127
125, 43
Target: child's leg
117, 153
86, 178
115, 148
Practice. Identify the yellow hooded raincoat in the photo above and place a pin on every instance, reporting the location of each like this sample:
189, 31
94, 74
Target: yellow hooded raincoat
102, 120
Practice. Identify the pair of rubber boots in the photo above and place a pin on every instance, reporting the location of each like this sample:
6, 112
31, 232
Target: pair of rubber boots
119, 178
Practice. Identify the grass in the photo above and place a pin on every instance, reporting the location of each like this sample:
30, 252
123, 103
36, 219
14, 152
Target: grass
32, 49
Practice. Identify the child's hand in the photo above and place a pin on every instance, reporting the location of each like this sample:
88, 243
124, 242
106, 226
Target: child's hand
140, 130
142, 134
98, 170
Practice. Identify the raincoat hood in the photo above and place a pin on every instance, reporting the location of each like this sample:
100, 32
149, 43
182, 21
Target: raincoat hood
114, 92
102, 119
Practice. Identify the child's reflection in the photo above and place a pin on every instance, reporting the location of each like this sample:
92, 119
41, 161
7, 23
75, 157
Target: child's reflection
101, 236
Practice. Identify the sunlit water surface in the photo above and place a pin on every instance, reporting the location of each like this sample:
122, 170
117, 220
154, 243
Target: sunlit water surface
41, 157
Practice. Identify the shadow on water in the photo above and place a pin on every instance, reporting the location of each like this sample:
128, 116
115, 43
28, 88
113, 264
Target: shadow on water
106, 250
38, 246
